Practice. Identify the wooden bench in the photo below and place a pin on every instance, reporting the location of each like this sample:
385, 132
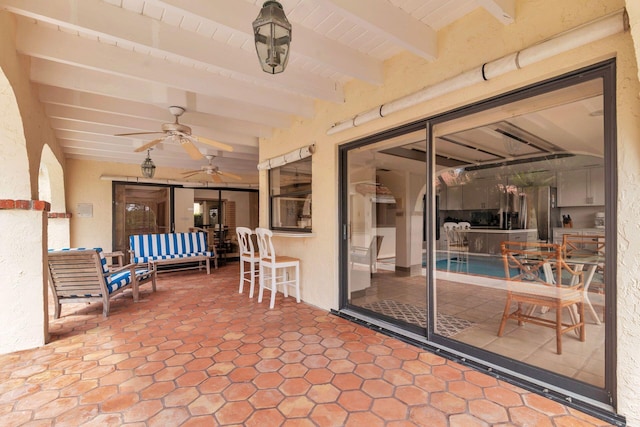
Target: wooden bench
78, 275
170, 248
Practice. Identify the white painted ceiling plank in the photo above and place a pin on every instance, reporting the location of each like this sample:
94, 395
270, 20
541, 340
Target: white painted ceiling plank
382, 17
503, 10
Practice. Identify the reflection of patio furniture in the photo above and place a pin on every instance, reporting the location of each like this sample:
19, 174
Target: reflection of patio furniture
367, 255
585, 251
247, 254
527, 267
277, 266
457, 244
170, 248
80, 275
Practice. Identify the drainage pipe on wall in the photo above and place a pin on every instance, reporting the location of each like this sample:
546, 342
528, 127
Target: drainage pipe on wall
576, 37
292, 156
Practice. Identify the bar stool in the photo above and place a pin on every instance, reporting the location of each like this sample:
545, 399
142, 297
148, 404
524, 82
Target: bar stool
269, 260
247, 254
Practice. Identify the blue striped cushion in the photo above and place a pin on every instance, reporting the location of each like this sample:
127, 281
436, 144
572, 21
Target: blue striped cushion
123, 278
150, 247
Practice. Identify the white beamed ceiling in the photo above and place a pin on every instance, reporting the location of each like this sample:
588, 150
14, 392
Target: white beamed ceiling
104, 67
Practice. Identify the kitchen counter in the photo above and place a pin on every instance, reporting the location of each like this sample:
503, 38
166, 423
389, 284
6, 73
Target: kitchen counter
492, 230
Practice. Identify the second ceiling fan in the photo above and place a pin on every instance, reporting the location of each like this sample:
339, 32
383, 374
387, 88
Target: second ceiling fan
179, 133
211, 171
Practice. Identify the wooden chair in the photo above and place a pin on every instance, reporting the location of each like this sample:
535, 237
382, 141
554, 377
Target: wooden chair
278, 266
367, 255
247, 255
79, 275
529, 284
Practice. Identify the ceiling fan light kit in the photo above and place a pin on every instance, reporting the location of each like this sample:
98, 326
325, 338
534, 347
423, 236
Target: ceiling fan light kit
147, 167
272, 35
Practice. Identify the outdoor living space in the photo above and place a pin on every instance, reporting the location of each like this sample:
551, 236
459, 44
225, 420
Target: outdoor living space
196, 352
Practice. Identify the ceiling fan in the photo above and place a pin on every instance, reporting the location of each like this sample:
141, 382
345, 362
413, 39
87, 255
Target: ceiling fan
211, 171
177, 132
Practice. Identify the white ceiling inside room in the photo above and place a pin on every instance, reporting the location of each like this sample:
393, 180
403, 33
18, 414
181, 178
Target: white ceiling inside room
106, 67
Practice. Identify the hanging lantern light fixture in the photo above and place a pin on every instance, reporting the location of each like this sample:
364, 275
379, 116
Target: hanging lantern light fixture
272, 35
147, 167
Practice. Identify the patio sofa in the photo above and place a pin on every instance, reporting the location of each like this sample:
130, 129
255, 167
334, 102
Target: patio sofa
170, 248
79, 275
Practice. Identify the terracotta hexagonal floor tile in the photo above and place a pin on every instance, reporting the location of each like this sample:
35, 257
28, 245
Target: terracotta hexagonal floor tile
296, 406
318, 376
411, 395
55, 408
243, 374
214, 384
465, 390
268, 380
347, 381
397, 377
142, 411
265, 417
181, 396
430, 383
524, 416
466, 420
269, 398
446, 372
368, 371
428, 416
390, 409
206, 404
354, 400
448, 403
98, 395
168, 417
238, 391
293, 370
157, 390
488, 411
544, 405
328, 415
190, 379
502, 396
377, 388
294, 386
359, 419
323, 393
119, 402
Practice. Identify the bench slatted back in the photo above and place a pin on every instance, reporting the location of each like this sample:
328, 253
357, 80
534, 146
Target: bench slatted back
145, 245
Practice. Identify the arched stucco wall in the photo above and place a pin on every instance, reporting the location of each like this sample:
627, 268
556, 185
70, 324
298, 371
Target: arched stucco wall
14, 170
51, 189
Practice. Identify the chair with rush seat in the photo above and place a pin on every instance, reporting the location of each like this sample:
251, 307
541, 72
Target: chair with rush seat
247, 255
276, 264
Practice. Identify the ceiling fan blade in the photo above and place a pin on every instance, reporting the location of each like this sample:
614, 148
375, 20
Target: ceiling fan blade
189, 175
148, 145
231, 175
216, 178
217, 144
136, 133
192, 172
191, 149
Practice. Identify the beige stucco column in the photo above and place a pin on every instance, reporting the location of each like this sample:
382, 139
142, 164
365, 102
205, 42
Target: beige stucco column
23, 291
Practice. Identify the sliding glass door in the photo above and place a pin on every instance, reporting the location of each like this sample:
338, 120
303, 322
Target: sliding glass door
489, 231
386, 187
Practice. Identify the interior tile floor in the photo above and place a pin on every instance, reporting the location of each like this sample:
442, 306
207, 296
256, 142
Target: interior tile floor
198, 353
484, 307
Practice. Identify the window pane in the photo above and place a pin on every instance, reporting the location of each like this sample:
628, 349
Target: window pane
290, 194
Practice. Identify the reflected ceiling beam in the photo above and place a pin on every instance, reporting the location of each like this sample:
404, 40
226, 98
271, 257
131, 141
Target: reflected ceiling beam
39, 42
402, 29
306, 42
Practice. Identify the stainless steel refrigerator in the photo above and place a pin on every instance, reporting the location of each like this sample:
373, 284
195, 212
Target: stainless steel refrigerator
539, 209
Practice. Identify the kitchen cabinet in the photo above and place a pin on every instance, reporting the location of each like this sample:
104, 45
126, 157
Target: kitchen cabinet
453, 199
481, 194
488, 241
581, 187
559, 232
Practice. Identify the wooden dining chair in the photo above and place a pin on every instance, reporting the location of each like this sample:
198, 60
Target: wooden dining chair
248, 255
527, 268
274, 269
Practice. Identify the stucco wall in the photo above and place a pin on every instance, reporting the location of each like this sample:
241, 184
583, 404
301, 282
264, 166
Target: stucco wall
466, 45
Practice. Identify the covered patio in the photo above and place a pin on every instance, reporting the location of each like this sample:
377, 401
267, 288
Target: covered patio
196, 352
